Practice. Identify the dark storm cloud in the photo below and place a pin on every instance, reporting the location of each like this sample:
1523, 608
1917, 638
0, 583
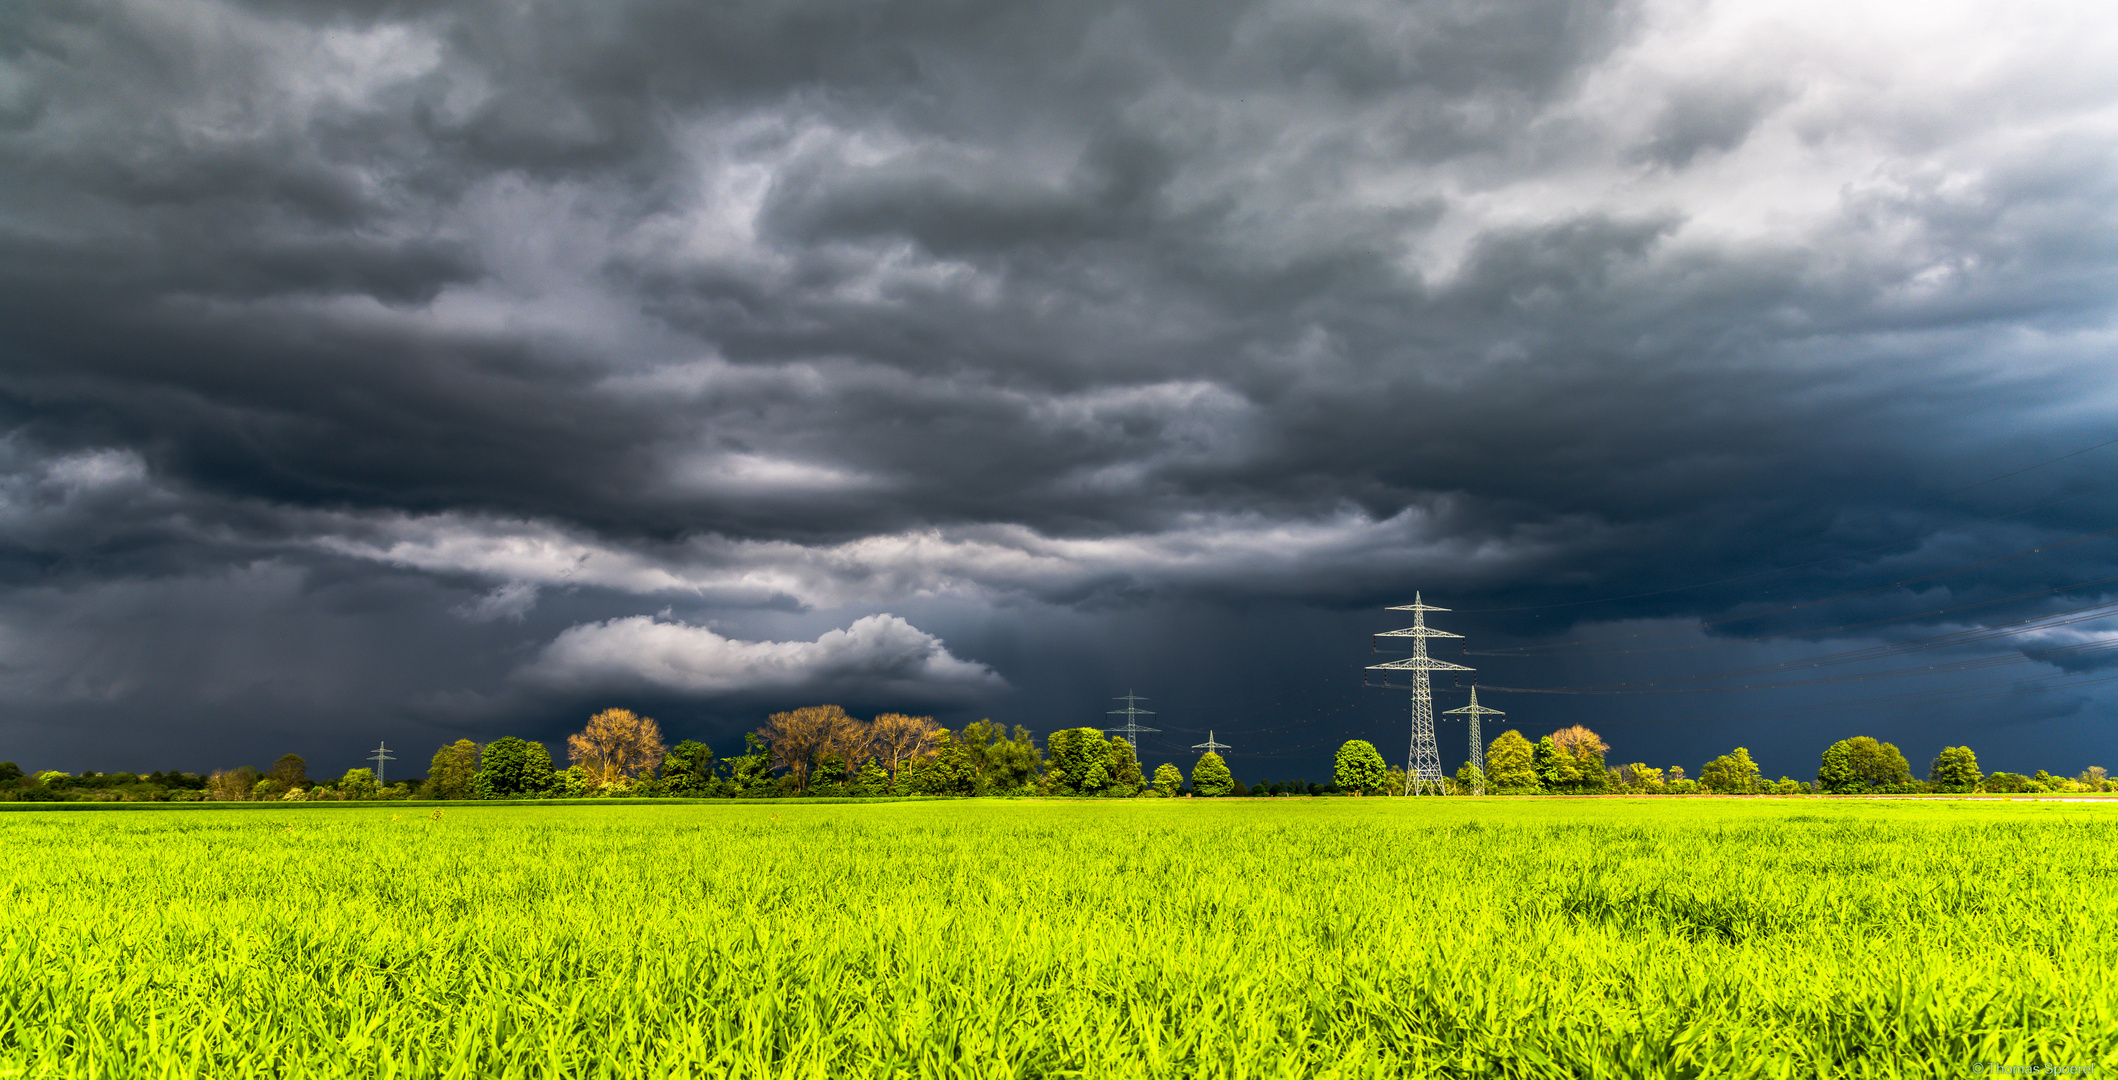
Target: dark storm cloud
528, 323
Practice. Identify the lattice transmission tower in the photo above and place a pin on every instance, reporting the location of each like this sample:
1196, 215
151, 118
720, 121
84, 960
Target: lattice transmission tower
1423, 766
1211, 746
382, 753
1474, 712
1132, 715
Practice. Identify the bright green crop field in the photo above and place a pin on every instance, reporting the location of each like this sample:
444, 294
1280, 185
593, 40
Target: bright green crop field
1185, 938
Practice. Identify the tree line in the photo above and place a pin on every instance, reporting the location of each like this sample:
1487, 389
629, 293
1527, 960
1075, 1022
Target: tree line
1571, 761
823, 751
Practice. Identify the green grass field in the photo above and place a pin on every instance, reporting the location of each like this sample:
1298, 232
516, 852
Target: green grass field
1236, 938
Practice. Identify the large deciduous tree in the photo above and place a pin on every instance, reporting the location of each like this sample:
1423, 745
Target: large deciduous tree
1211, 776
233, 785
450, 774
750, 773
900, 738
616, 745
1557, 770
1004, 763
1511, 765
358, 784
947, 771
1859, 763
1359, 767
512, 768
1587, 749
1078, 761
799, 737
1955, 769
1168, 780
1122, 766
687, 769
288, 773
1731, 774
849, 743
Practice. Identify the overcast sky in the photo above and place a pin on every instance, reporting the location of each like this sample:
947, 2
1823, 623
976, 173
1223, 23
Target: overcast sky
377, 370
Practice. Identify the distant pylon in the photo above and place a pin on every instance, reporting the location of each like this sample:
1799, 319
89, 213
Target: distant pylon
1209, 745
381, 754
1473, 712
1423, 766
1132, 728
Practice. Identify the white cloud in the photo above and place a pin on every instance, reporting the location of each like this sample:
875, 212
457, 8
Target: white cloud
1238, 552
879, 652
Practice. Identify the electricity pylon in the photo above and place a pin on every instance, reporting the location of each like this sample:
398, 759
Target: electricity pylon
1210, 745
381, 754
1423, 766
1473, 712
1132, 717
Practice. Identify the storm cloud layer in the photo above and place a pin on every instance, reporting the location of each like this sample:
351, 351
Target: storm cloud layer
418, 369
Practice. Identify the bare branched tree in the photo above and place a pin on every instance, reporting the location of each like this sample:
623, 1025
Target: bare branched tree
799, 736
615, 745
900, 738
852, 740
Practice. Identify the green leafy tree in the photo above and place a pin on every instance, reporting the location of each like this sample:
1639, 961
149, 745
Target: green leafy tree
1556, 769
1587, 749
1211, 776
1358, 767
450, 774
1011, 766
10, 774
1169, 780
512, 768
945, 771
830, 778
572, 782
1511, 765
1078, 761
1004, 763
750, 775
1857, 764
1639, 776
1731, 774
2006, 783
687, 769
1123, 768
1469, 779
872, 780
1954, 769
357, 784
1887, 767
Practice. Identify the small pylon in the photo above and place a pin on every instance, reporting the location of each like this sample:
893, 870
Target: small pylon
1473, 712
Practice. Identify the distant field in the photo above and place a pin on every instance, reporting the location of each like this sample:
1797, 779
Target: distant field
1233, 938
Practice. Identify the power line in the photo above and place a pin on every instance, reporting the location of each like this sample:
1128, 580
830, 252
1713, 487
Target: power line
1842, 555
1980, 565
1794, 633
1973, 635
